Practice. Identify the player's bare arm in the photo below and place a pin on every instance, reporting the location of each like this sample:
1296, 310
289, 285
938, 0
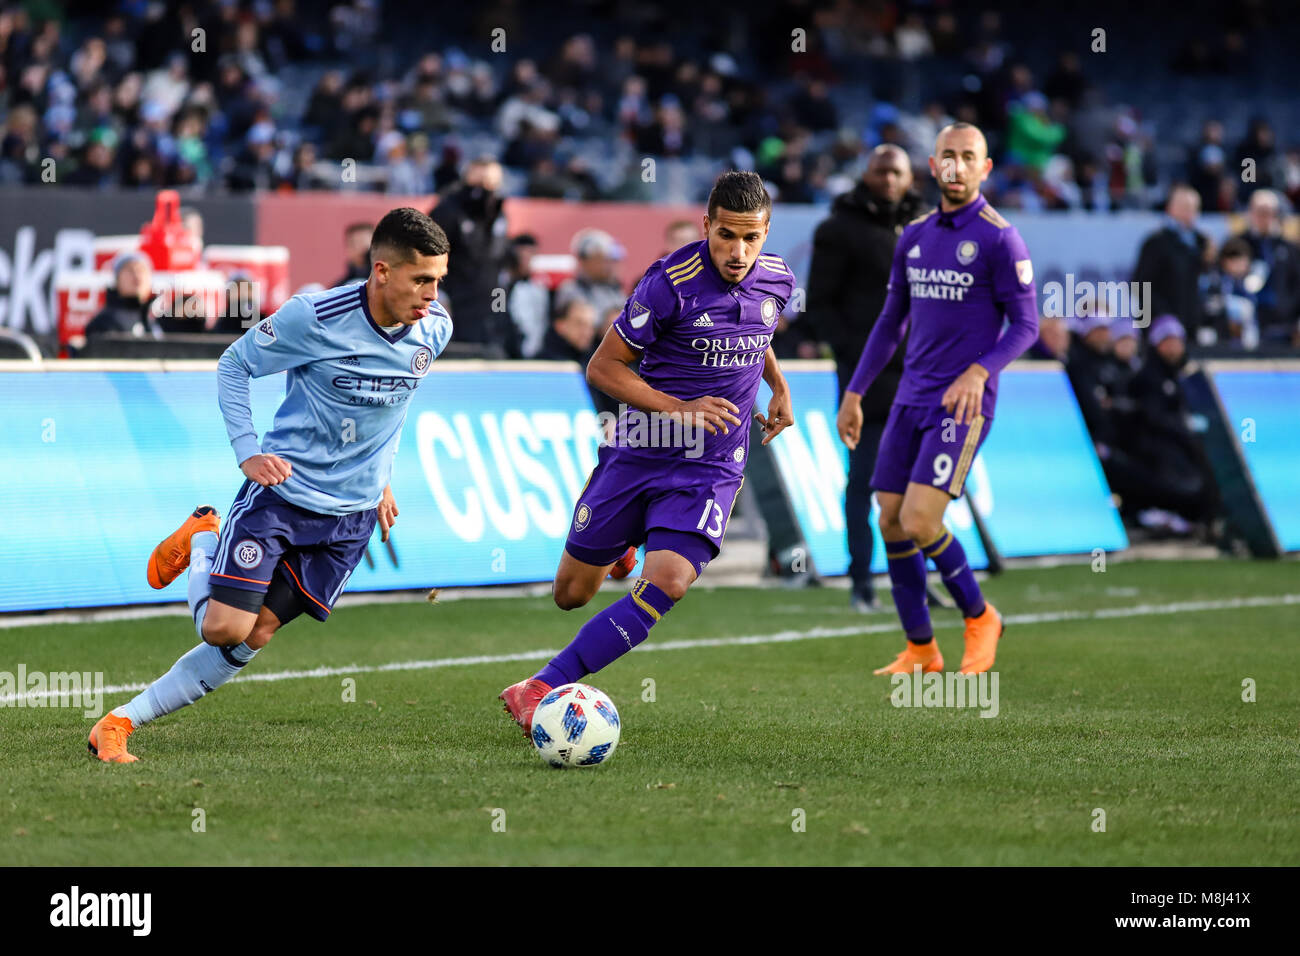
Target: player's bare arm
610, 370
780, 413
965, 396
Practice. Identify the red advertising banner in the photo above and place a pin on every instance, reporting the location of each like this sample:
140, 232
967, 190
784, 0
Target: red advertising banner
311, 225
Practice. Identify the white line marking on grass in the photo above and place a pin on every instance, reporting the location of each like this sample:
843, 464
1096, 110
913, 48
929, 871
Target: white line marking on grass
778, 637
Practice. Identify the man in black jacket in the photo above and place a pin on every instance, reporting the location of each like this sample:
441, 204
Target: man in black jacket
471, 215
853, 250
1172, 260
126, 305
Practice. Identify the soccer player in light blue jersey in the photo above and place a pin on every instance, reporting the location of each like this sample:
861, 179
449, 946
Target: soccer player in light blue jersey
318, 482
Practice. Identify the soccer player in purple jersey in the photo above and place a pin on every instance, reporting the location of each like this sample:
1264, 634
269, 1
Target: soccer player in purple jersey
959, 271
700, 321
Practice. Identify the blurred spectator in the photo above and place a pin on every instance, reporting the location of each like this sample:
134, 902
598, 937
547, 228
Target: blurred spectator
1032, 136
1053, 339
572, 335
126, 305
192, 220
680, 232
853, 251
1206, 165
1231, 295
1276, 267
1258, 152
1186, 484
1172, 259
356, 252
596, 281
472, 215
527, 300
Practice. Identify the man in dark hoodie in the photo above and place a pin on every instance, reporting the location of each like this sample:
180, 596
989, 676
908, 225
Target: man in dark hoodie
472, 216
853, 250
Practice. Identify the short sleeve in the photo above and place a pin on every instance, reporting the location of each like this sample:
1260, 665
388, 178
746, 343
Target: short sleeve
1013, 271
285, 340
652, 303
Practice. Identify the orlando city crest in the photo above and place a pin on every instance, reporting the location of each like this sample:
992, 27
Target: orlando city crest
769, 310
967, 250
582, 518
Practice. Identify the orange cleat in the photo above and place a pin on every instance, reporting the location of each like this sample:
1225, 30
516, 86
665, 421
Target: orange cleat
927, 655
982, 635
108, 739
521, 701
624, 565
172, 555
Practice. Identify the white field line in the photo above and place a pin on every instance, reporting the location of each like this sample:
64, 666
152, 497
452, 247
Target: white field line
778, 637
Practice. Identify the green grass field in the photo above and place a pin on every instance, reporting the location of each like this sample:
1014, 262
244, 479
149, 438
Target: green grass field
1139, 714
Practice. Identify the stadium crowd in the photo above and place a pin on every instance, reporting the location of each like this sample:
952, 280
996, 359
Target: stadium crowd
208, 96
228, 96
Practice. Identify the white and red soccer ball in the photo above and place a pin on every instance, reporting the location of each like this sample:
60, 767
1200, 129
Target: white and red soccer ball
575, 725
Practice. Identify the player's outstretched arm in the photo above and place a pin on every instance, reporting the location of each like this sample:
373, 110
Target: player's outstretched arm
610, 370
780, 412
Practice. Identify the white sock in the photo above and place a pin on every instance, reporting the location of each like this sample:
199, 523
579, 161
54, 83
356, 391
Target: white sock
202, 547
199, 671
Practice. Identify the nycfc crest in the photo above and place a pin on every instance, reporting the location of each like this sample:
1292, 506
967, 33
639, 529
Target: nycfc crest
769, 310
248, 553
582, 518
967, 250
421, 359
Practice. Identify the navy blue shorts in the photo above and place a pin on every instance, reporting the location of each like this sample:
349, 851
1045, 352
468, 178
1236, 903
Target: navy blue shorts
265, 537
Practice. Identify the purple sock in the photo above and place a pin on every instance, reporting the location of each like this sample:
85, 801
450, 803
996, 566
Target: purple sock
608, 635
950, 558
907, 574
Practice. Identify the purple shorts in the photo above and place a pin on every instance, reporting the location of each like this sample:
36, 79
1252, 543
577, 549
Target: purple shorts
927, 446
630, 500
264, 536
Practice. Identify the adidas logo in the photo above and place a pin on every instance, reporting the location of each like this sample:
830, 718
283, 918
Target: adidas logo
350, 360
915, 253
704, 322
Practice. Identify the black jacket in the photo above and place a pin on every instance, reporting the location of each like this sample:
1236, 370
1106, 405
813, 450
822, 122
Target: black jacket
1173, 268
853, 250
476, 229
128, 316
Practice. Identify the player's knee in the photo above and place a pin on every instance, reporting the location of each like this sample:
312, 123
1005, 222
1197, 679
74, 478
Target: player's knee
568, 595
920, 527
891, 529
674, 582
224, 633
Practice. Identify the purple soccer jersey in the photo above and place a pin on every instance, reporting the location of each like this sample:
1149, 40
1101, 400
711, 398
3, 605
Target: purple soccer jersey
699, 335
958, 274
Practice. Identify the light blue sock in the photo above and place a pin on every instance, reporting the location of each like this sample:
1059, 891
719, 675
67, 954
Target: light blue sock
200, 671
202, 547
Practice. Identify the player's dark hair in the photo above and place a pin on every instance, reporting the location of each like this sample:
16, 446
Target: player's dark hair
740, 191
405, 231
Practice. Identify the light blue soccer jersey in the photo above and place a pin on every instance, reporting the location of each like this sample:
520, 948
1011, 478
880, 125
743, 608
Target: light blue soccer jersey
347, 394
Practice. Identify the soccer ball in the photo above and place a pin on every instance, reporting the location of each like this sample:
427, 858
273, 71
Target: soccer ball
575, 725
